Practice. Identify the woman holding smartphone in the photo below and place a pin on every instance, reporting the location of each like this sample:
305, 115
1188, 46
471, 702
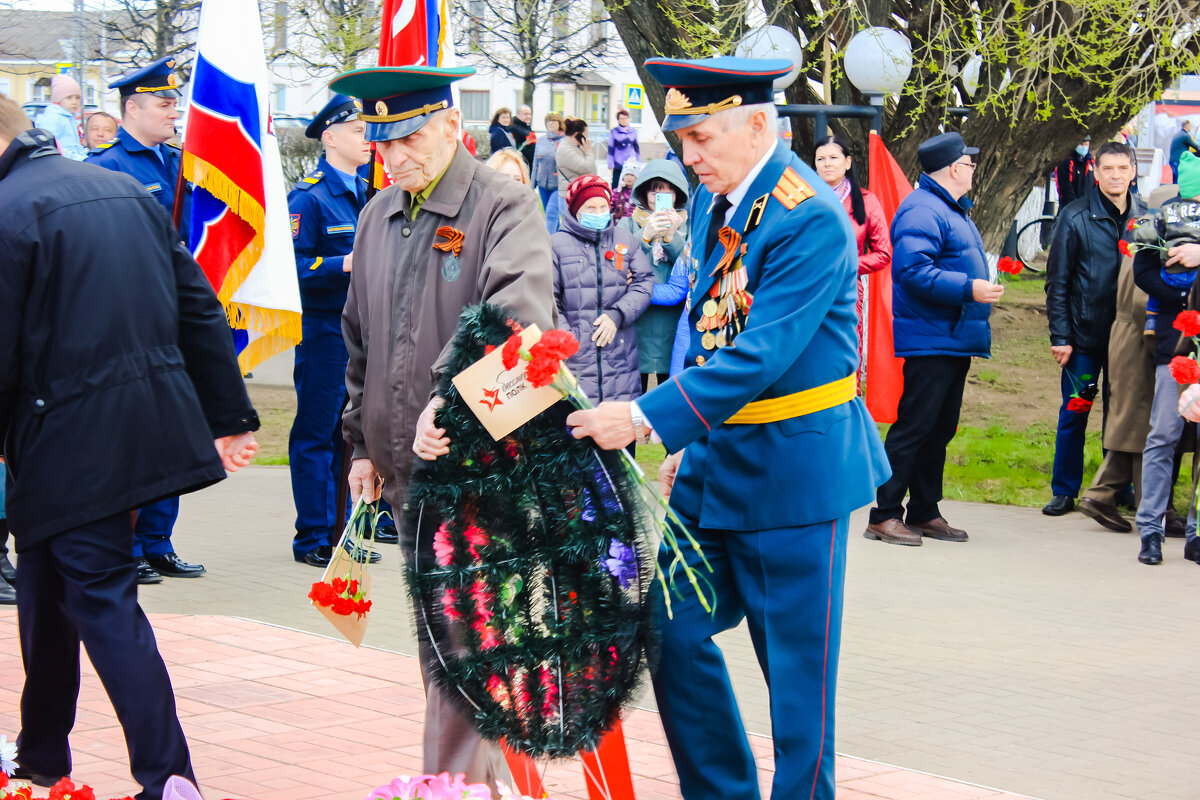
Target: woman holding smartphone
660, 197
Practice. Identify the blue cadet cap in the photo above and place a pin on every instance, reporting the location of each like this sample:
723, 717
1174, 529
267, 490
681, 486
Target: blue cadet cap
699, 88
398, 101
340, 109
942, 151
157, 79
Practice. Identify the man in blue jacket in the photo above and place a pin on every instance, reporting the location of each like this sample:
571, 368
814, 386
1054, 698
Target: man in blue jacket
1181, 143
766, 405
940, 304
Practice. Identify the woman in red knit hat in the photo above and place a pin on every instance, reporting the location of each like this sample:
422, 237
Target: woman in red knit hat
602, 283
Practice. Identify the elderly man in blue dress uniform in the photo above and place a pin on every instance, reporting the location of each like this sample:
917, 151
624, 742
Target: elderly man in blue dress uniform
148, 114
771, 449
324, 209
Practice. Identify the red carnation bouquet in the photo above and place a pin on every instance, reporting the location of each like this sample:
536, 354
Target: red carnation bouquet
546, 367
1009, 265
342, 595
1082, 399
1185, 369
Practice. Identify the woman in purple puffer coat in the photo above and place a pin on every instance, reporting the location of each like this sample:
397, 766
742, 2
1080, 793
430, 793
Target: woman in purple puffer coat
602, 283
622, 146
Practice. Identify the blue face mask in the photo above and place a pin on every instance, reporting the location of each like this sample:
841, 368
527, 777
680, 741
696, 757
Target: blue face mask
596, 222
1082, 150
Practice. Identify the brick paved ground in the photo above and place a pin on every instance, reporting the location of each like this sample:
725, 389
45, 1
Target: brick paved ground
276, 714
1040, 658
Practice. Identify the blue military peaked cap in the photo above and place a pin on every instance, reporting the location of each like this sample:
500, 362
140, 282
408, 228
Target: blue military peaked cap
943, 150
340, 109
398, 101
157, 79
699, 88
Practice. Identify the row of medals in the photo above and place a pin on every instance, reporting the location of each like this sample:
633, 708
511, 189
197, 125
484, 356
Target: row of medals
726, 313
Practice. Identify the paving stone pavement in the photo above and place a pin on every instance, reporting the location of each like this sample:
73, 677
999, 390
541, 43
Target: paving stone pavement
1039, 658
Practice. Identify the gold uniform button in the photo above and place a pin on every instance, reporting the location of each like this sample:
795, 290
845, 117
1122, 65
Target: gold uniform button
700, 361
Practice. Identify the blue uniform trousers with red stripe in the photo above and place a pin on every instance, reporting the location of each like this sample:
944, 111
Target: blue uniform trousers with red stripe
787, 584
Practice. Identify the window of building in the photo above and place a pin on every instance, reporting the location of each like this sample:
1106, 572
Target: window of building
280, 101
475, 12
476, 104
5, 87
598, 29
591, 105
91, 94
280, 27
558, 101
41, 91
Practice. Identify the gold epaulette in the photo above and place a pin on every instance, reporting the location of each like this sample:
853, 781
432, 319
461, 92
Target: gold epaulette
310, 180
792, 190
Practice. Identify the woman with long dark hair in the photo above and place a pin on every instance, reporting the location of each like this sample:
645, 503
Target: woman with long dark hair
832, 161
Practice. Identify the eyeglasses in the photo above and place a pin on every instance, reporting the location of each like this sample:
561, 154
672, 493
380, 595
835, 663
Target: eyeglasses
970, 164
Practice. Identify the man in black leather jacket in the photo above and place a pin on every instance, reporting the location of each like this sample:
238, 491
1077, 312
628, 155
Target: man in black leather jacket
112, 342
1081, 294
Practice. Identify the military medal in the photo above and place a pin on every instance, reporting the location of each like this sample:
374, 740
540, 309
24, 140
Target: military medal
709, 308
451, 268
708, 341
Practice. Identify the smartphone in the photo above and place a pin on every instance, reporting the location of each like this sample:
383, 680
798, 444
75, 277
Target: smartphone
664, 201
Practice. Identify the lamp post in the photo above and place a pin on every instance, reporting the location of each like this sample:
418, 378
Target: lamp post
877, 62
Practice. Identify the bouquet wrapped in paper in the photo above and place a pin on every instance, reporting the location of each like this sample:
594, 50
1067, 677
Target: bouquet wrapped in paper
343, 595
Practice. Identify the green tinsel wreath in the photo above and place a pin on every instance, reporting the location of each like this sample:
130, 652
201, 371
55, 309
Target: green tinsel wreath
533, 559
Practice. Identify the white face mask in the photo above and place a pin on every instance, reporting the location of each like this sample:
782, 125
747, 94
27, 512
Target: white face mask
1082, 150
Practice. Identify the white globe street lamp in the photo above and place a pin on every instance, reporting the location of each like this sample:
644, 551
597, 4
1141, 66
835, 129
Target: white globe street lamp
772, 41
878, 61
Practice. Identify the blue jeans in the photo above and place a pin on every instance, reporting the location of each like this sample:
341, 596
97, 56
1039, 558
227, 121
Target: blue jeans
1166, 426
1067, 476
551, 203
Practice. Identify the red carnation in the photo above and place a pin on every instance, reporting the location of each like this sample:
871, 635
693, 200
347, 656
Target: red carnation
1009, 265
339, 585
352, 589
1185, 370
556, 344
541, 371
1188, 323
1129, 226
511, 352
1079, 405
1126, 248
610, 255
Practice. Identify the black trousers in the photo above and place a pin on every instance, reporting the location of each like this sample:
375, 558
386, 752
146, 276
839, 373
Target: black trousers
80, 586
916, 444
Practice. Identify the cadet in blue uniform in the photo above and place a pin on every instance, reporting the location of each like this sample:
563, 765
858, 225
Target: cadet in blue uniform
771, 448
148, 99
324, 210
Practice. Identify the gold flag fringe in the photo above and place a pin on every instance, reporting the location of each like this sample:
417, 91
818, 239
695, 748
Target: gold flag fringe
216, 183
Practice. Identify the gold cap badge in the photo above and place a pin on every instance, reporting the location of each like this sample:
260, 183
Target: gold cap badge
381, 108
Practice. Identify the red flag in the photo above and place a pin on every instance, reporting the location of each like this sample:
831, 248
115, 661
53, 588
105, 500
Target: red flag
404, 38
885, 376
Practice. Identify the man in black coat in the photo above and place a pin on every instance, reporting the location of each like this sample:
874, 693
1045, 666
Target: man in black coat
1074, 174
117, 376
1081, 305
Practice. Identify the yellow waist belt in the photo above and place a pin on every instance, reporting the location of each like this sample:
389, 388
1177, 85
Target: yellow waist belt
797, 404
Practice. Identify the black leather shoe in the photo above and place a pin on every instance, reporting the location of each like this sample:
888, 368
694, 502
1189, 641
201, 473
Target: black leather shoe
1151, 549
316, 558
1191, 550
1124, 500
1104, 514
172, 566
1174, 525
8, 595
363, 555
1060, 505
387, 534
7, 570
22, 774
146, 574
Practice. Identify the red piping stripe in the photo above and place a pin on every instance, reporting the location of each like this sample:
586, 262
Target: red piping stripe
825, 662
689, 402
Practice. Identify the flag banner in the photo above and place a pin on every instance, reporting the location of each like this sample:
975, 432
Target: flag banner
240, 233
885, 372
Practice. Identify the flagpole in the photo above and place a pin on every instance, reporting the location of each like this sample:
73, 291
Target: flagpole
180, 185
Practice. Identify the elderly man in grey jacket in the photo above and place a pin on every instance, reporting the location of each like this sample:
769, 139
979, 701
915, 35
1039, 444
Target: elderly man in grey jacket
449, 233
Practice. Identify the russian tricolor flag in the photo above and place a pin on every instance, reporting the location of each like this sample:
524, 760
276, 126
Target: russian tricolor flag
239, 226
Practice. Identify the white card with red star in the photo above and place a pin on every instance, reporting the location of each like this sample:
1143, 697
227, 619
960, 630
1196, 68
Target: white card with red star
502, 398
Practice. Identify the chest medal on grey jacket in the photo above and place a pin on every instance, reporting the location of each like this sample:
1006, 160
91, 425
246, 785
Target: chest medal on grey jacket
451, 268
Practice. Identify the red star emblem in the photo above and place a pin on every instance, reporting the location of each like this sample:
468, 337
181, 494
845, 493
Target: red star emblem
491, 399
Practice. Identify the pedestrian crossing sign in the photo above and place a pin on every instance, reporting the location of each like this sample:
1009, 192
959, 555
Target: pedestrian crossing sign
633, 96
